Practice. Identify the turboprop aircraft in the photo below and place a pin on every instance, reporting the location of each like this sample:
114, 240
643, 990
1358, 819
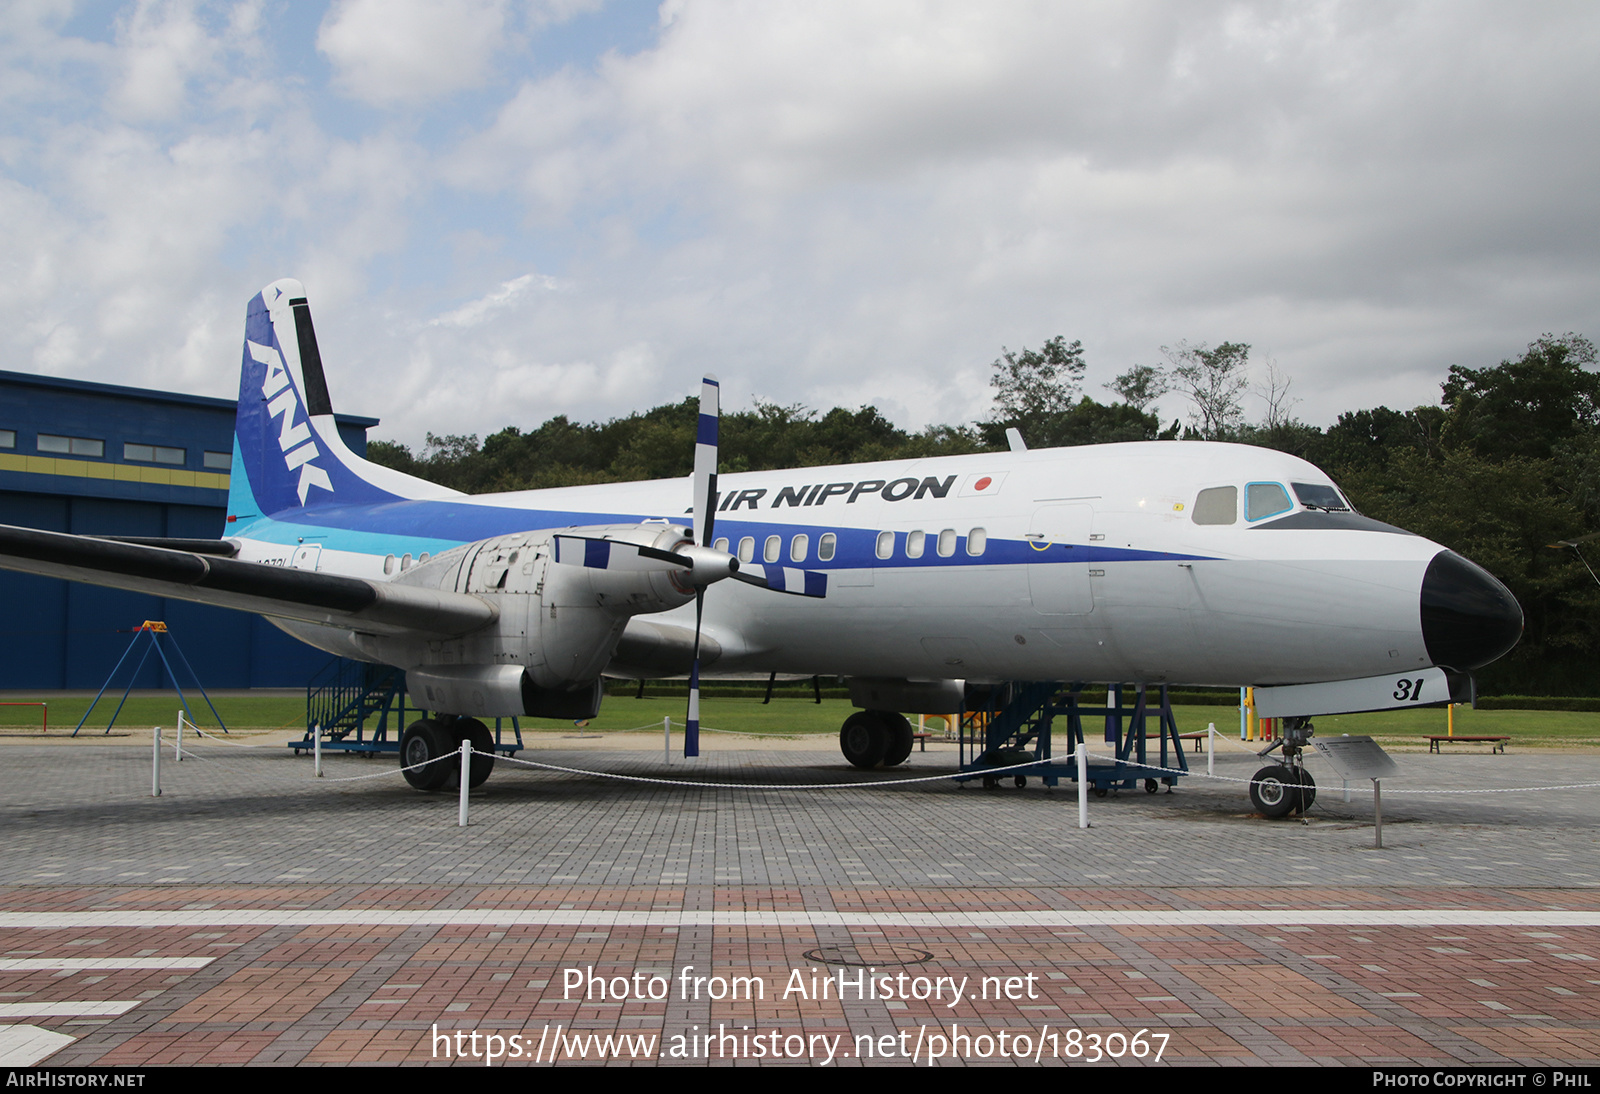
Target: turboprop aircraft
1179, 562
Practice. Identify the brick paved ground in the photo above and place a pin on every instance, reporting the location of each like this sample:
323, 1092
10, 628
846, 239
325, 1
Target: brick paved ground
253, 915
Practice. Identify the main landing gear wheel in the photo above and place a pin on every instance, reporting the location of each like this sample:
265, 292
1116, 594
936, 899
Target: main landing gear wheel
1274, 791
900, 738
423, 741
471, 729
864, 739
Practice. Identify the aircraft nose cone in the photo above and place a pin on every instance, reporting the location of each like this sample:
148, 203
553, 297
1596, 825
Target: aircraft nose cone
1468, 618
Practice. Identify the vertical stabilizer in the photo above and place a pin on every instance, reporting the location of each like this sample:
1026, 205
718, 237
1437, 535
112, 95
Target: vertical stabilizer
287, 451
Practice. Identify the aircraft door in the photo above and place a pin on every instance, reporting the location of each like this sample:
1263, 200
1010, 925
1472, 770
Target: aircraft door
307, 556
1058, 570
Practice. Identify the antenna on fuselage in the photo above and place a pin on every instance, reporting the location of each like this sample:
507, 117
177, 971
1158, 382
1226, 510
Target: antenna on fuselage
1014, 439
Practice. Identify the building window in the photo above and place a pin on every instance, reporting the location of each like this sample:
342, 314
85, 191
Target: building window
155, 453
219, 461
71, 446
8, 438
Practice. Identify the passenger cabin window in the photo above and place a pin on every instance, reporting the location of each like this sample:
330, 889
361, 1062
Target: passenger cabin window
1218, 505
747, 549
977, 541
1265, 499
798, 546
721, 544
825, 547
885, 544
947, 543
1315, 496
773, 549
388, 564
915, 543
405, 561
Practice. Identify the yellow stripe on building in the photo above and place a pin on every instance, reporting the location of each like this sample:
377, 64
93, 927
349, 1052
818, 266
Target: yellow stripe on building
118, 472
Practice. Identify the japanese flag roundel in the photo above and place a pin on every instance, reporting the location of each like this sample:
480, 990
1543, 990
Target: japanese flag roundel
982, 484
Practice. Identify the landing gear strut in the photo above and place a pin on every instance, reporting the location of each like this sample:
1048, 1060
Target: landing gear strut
1283, 789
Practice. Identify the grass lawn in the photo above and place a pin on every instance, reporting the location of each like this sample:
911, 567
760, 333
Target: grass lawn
793, 716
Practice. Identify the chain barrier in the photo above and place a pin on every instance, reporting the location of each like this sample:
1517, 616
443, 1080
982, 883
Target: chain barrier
1355, 787
987, 772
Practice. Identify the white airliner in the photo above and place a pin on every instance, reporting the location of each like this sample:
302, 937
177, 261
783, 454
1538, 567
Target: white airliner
1159, 562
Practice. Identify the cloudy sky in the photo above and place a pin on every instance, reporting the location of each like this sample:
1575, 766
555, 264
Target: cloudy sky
508, 209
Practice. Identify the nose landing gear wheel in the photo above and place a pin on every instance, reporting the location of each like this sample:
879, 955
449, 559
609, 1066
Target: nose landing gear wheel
1274, 791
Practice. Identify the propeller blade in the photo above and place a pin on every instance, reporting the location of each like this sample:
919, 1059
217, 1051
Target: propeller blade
611, 554
783, 579
705, 461
691, 728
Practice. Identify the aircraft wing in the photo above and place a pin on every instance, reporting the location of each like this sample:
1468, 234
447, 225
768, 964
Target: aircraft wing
374, 607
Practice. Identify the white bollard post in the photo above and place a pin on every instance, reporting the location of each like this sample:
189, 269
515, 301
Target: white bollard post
155, 762
1377, 814
316, 746
1211, 748
466, 777
666, 739
177, 740
1083, 785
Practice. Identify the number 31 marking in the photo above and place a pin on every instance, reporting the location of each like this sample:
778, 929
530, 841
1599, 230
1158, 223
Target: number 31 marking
1409, 690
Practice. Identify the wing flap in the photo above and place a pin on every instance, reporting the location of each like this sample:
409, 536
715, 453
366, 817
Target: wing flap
349, 602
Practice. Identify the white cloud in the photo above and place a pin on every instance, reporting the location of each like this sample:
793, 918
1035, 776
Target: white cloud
389, 52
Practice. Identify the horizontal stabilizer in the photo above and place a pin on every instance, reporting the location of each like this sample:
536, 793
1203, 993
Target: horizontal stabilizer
352, 603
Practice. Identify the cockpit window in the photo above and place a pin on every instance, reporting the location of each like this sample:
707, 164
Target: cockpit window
1313, 496
1218, 505
1265, 499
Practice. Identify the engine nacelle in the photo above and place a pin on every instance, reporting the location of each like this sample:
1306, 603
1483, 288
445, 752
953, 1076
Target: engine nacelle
558, 625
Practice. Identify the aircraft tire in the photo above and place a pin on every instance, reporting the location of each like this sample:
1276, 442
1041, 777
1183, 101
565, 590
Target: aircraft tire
1273, 791
482, 748
1306, 795
864, 739
423, 741
900, 738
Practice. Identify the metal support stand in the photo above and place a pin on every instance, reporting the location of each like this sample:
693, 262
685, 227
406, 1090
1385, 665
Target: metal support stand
151, 627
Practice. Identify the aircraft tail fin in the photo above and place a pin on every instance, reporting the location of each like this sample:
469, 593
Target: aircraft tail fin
287, 452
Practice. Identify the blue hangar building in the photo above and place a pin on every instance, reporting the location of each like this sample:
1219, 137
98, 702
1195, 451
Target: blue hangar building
99, 459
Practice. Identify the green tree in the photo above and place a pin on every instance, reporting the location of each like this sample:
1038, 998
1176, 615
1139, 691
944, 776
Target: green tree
1214, 380
1032, 385
1141, 385
1527, 407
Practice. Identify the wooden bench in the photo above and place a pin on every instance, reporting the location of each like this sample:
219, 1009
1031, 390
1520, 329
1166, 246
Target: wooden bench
922, 740
1499, 743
